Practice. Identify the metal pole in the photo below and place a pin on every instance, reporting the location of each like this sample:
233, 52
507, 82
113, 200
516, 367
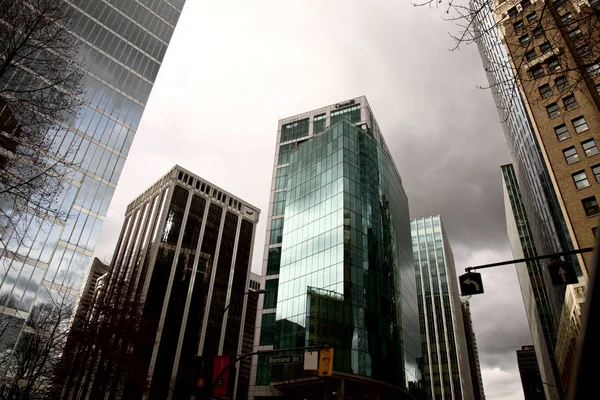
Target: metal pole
555, 255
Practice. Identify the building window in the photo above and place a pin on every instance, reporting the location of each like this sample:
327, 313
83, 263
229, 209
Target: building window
267, 329
598, 86
579, 124
518, 27
567, 19
584, 51
594, 3
562, 132
589, 147
513, 12
559, 3
538, 32
525, 4
281, 178
545, 91
571, 155
284, 154
590, 205
553, 110
294, 130
319, 123
524, 39
561, 83
595, 232
351, 114
276, 231
570, 102
553, 64
274, 261
596, 172
532, 17
270, 299
537, 71
575, 34
545, 47
593, 70
279, 203
530, 55
580, 179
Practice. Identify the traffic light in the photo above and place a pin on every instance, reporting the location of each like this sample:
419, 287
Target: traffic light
326, 362
199, 376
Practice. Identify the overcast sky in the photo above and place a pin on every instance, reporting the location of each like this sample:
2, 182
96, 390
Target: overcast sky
233, 68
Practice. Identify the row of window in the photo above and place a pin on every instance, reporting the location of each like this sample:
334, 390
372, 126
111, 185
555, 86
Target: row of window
589, 148
561, 83
552, 64
580, 178
579, 124
569, 102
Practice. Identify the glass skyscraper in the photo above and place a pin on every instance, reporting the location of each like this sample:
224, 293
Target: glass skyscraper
338, 266
446, 367
547, 222
122, 43
539, 296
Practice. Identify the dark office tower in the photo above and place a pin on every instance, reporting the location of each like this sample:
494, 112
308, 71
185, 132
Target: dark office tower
182, 263
536, 287
476, 378
338, 266
122, 43
530, 374
243, 379
446, 372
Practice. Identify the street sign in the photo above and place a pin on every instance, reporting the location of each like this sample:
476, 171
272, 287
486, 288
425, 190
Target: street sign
562, 273
326, 362
297, 359
470, 283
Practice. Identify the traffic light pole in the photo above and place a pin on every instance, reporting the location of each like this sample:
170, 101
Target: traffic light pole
260, 352
555, 255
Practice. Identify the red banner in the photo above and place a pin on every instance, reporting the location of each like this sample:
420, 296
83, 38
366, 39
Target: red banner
220, 382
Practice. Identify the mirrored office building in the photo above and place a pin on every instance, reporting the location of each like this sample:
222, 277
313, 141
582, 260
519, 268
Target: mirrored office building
446, 365
338, 266
122, 43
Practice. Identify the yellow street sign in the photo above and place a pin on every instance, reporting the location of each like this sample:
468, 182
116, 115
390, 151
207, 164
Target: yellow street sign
326, 362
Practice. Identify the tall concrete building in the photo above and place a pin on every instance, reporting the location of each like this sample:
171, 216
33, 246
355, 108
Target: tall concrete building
182, 259
446, 367
122, 44
475, 366
337, 265
530, 374
541, 59
536, 286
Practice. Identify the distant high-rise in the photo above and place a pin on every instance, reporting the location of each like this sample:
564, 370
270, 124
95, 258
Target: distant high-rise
243, 379
182, 260
337, 265
446, 368
122, 44
539, 297
530, 374
97, 270
476, 378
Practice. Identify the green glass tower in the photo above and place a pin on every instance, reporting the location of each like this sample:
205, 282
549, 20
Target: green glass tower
338, 268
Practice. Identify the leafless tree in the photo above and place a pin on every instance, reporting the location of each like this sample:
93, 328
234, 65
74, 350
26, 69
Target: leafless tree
40, 88
571, 32
100, 355
28, 362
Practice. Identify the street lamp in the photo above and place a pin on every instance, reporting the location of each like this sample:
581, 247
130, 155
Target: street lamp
256, 292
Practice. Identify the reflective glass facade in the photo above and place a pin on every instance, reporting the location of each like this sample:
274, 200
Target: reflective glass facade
536, 287
182, 257
539, 196
122, 43
446, 367
338, 265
